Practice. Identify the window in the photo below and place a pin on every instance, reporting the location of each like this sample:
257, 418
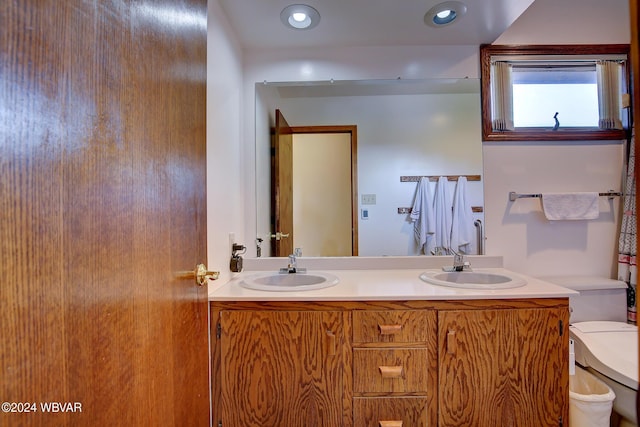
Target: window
539, 92
553, 92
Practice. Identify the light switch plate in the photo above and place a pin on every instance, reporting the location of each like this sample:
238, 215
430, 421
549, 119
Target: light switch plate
368, 199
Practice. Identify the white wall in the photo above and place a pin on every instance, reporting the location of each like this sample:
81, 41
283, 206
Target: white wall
225, 166
571, 22
518, 230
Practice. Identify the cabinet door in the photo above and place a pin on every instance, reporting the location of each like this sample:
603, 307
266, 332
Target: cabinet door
503, 367
281, 368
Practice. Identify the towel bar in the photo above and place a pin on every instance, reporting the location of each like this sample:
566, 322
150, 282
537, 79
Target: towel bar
406, 210
513, 196
433, 178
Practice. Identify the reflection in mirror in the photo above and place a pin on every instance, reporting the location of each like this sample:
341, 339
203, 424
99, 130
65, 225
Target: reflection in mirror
405, 128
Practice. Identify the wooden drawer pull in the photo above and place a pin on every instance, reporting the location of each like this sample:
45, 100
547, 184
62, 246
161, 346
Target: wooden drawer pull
331, 343
390, 329
451, 342
390, 423
390, 371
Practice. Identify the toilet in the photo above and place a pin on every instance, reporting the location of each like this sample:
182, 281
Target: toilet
604, 343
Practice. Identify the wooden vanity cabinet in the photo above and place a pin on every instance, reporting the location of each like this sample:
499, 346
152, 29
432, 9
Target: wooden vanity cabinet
503, 367
391, 363
394, 367
281, 368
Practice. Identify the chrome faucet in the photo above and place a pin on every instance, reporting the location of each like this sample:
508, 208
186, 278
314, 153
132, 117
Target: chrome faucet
459, 263
292, 267
293, 263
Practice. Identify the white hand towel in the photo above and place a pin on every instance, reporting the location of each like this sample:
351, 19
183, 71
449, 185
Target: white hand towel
422, 215
443, 214
462, 223
570, 206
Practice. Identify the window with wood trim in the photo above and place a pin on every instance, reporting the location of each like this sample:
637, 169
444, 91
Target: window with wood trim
554, 92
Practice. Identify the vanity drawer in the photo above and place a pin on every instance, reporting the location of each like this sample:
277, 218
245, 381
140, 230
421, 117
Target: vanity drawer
390, 370
393, 326
390, 411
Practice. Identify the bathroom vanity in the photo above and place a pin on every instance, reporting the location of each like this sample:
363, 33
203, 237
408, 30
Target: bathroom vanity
383, 348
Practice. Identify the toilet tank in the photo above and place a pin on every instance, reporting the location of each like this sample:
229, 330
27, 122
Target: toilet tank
599, 298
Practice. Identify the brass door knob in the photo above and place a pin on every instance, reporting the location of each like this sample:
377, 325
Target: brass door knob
200, 274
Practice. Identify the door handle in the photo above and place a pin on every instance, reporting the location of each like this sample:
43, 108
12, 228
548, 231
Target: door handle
200, 274
279, 235
451, 342
390, 329
331, 343
390, 371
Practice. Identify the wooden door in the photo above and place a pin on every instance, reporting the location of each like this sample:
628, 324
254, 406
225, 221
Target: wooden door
102, 201
282, 184
280, 368
320, 218
325, 217
503, 367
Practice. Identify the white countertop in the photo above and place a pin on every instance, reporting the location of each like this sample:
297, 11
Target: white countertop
390, 284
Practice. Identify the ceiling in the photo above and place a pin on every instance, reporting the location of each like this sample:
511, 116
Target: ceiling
368, 23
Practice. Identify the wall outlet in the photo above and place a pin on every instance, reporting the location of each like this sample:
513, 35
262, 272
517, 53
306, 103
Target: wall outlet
368, 199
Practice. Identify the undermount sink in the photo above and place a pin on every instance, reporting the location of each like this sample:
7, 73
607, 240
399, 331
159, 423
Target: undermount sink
289, 281
475, 279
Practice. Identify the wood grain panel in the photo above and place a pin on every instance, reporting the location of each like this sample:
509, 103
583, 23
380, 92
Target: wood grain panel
410, 411
392, 305
503, 367
369, 367
347, 372
102, 176
263, 353
397, 326
282, 182
31, 150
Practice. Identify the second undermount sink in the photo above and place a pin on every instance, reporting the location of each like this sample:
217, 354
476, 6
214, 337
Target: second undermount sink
289, 281
475, 279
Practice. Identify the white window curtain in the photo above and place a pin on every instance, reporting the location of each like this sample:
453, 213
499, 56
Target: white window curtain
608, 74
609, 82
501, 96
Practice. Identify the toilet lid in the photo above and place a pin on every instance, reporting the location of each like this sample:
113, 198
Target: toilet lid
610, 348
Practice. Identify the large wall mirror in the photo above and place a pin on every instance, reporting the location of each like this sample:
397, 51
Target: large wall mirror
405, 129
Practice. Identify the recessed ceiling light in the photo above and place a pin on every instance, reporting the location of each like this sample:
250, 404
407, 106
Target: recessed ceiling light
299, 17
444, 13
